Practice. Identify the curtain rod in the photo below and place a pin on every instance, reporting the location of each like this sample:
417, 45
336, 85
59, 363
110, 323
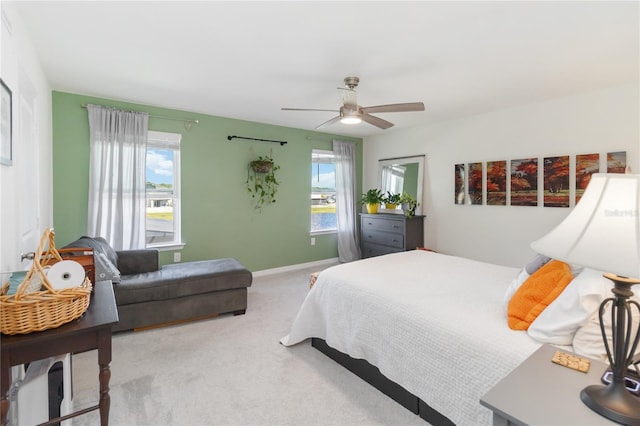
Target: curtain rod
164, 117
254, 139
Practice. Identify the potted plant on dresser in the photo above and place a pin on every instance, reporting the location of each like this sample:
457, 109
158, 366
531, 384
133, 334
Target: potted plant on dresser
391, 201
372, 200
409, 204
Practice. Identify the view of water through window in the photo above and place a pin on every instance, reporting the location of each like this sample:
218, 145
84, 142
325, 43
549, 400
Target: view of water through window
323, 192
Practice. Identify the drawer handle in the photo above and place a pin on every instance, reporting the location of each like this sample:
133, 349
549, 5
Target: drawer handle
395, 241
396, 226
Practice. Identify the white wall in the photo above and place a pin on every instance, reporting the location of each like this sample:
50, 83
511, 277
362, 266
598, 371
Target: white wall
595, 122
25, 187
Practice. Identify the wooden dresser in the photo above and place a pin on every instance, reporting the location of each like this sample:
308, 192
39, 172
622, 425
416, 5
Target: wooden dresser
389, 233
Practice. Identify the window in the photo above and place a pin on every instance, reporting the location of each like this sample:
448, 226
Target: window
323, 191
163, 189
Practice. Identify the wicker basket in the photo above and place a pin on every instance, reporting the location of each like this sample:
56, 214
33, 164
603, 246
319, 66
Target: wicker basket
26, 312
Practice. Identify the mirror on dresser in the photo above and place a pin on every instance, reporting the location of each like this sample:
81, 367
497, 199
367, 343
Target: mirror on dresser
402, 174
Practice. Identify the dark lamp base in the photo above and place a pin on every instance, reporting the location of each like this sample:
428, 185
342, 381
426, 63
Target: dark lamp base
613, 402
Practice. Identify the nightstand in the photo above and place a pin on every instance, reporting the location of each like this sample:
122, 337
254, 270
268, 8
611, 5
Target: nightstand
539, 392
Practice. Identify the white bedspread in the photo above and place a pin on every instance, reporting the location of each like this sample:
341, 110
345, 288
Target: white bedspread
433, 323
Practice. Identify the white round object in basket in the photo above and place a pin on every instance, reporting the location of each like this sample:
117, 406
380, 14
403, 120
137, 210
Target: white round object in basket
66, 274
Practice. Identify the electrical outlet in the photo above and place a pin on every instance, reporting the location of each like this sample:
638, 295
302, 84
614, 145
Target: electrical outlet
313, 241
176, 257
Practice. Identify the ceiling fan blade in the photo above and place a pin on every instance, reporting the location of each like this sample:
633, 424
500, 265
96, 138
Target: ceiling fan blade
309, 109
376, 121
328, 122
406, 107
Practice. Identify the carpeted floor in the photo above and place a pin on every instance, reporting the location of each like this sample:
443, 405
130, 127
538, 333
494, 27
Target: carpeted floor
233, 371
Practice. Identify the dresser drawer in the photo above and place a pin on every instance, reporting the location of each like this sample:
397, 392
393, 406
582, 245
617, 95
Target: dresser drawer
371, 250
384, 238
389, 233
380, 224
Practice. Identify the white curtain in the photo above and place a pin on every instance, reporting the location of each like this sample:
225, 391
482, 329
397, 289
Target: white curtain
393, 178
346, 202
117, 176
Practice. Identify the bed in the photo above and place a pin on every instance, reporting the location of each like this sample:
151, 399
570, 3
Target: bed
431, 323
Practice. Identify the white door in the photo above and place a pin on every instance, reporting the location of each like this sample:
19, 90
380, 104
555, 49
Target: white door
28, 171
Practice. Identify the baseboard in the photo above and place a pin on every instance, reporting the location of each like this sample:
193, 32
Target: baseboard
317, 263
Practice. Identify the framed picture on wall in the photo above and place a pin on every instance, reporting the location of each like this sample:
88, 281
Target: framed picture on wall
459, 182
556, 181
6, 153
475, 183
524, 182
497, 183
586, 165
616, 162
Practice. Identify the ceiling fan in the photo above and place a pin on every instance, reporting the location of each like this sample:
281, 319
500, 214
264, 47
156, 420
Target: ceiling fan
352, 113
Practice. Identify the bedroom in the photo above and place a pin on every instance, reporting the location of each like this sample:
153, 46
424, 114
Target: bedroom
582, 120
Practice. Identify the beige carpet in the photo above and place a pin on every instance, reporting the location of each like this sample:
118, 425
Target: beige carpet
233, 371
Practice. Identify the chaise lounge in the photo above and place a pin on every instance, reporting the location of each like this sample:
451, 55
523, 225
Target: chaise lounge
149, 295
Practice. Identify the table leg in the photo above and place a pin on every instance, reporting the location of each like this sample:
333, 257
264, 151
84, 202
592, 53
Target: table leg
104, 359
5, 384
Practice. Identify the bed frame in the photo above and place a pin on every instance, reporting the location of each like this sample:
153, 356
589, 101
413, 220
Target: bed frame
372, 375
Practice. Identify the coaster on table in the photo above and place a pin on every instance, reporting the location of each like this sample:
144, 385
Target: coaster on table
571, 361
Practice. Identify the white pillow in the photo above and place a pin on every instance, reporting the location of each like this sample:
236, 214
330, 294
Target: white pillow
558, 322
588, 339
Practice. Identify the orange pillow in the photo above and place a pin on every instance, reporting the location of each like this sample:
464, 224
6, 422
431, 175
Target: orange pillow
536, 293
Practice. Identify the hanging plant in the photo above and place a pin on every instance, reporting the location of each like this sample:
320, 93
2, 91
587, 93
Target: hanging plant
262, 166
262, 184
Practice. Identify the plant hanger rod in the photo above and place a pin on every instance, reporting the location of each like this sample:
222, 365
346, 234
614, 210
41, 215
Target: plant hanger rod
254, 139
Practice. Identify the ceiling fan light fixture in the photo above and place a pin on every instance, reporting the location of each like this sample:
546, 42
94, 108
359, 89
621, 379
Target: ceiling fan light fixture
351, 120
350, 116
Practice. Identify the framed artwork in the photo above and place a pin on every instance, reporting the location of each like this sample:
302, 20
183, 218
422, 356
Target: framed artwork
524, 182
475, 183
6, 153
616, 162
459, 182
586, 165
497, 183
556, 181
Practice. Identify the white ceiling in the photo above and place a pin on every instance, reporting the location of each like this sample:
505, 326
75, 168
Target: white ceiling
246, 60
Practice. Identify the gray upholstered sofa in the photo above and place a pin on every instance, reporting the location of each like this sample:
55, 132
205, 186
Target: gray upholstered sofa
147, 294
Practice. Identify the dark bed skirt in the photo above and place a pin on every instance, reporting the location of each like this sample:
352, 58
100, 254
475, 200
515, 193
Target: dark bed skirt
375, 378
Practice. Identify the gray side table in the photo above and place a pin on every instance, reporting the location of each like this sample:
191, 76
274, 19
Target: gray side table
539, 392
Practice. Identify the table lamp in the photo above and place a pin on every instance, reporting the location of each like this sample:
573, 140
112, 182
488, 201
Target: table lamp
603, 232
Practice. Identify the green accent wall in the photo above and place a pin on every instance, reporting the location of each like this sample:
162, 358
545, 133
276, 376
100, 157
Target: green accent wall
410, 185
218, 219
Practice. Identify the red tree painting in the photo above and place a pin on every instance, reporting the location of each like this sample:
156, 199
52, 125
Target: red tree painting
497, 183
556, 181
586, 165
475, 183
524, 182
616, 162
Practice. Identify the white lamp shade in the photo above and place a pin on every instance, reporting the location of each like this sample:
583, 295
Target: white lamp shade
603, 230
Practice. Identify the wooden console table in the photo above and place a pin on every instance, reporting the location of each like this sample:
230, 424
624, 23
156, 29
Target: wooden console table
91, 331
